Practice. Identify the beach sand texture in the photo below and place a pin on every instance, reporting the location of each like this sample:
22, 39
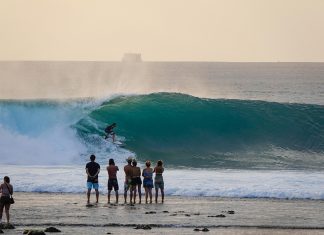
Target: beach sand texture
178, 215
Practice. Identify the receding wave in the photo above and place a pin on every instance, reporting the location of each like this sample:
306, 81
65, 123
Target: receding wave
194, 132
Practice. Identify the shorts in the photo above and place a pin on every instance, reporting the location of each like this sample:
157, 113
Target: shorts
136, 181
148, 183
127, 185
113, 183
158, 182
158, 185
91, 185
4, 200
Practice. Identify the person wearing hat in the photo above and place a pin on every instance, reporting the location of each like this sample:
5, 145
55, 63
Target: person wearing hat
128, 169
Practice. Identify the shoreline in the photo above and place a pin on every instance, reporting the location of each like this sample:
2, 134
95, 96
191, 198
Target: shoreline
181, 215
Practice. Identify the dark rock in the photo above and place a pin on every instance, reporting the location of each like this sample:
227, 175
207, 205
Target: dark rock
205, 230
196, 230
165, 211
150, 212
187, 215
25, 231
109, 233
52, 230
147, 227
89, 205
141, 226
174, 214
231, 212
36, 232
7, 226
219, 216
197, 214
1, 231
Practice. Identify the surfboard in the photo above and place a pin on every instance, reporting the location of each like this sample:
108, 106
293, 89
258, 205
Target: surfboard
116, 142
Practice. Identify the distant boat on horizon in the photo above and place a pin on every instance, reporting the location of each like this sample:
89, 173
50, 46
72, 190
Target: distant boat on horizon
132, 57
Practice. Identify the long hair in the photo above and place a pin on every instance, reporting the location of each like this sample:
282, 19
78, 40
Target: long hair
6, 179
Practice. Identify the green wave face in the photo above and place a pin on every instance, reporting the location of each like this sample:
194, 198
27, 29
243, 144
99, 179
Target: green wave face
193, 132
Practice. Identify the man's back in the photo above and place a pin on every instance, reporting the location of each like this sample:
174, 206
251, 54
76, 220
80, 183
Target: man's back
112, 171
128, 169
93, 168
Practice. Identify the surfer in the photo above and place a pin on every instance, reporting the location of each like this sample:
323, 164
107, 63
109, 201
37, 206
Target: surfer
109, 131
92, 169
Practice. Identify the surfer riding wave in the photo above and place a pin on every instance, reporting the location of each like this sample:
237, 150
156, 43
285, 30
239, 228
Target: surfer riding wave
109, 131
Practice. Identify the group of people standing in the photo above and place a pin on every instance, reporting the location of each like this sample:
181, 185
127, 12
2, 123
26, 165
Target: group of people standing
133, 181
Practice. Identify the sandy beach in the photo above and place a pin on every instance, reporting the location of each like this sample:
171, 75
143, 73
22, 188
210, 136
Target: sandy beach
178, 215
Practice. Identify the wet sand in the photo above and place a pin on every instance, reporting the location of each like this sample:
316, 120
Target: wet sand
178, 215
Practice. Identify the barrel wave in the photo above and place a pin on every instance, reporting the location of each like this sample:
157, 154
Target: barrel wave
187, 131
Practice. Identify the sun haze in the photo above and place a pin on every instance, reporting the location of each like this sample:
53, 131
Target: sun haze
162, 30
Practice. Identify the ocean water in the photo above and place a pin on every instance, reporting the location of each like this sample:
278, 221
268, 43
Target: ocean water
222, 129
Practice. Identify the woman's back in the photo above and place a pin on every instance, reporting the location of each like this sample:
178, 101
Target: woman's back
6, 189
148, 172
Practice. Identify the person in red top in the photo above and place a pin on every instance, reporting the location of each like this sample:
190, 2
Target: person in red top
112, 179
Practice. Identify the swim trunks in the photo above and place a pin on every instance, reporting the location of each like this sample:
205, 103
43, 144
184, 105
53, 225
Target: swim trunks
113, 183
136, 181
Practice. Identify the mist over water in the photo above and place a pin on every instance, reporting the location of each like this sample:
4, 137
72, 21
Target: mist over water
279, 82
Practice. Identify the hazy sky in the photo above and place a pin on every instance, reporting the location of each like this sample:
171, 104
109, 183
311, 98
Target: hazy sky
175, 30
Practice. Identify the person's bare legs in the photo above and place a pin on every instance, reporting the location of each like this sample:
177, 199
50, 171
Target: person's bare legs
146, 194
150, 193
97, 195
134, 193
1, 212
156, 194
162, 194
116, 192
125, 194
109, 192
88, 195
7, 207
139, 193
131, 195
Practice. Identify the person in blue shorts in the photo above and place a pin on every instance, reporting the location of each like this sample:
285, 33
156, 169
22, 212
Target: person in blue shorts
147, 173
92, 169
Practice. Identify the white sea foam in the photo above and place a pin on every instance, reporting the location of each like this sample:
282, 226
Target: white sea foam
223, 183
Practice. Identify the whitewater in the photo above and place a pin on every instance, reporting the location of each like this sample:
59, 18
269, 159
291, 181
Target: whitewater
262, 141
